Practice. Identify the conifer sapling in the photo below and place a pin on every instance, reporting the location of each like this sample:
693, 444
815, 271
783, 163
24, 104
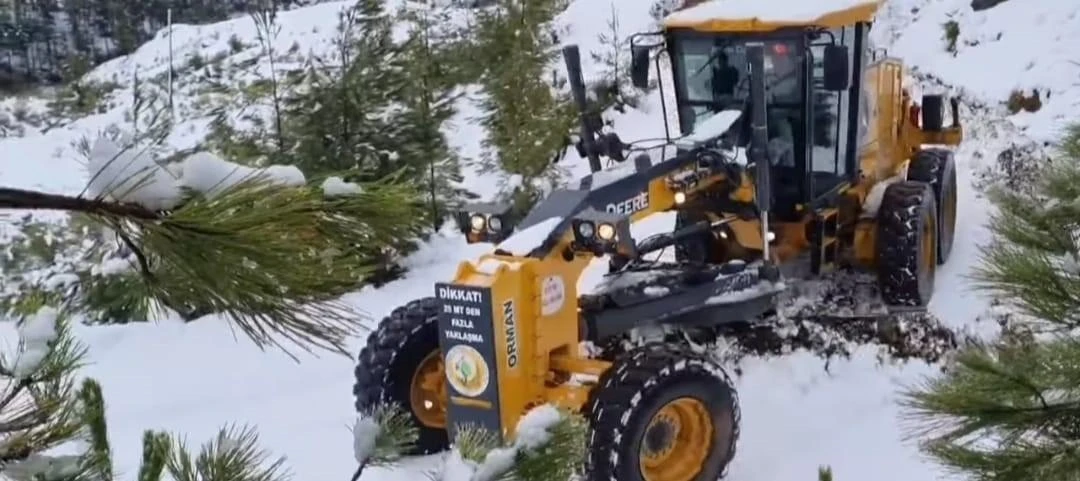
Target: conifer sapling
1009, 409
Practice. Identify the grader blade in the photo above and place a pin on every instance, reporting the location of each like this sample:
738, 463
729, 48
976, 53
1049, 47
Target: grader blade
837, 297
835, 315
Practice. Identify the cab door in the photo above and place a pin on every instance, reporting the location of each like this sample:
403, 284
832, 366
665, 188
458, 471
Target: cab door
828, 119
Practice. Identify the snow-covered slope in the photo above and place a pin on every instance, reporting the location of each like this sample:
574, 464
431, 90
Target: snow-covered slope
193, 378
226, 51
1017, 45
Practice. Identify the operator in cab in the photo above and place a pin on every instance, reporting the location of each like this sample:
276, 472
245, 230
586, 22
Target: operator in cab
717, 78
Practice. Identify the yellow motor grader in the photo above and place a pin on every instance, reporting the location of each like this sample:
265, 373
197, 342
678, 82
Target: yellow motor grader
800, 151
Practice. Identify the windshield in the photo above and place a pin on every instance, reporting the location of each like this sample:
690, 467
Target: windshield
712, 75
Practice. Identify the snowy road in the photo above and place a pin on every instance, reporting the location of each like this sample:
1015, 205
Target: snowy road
194, 378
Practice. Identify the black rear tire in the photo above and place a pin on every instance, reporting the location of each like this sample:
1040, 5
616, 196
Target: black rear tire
386, 366
937, 167
905, 267
639, 384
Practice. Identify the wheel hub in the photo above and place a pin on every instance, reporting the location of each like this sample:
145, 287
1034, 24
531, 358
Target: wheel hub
660, 437
676, 442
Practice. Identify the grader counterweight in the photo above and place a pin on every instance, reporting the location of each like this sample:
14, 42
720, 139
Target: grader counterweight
799, 153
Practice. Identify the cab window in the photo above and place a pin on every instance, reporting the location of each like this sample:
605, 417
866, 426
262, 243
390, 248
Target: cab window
712, 74
828, 115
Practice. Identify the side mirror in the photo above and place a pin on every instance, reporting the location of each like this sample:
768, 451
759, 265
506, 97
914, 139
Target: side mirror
837, 68
639, 66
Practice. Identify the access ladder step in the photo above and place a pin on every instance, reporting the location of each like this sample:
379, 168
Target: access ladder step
824, 244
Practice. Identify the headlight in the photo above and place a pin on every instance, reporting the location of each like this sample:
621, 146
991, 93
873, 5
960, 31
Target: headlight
606, 232
477, 222
603, 233
495, 224
586, 229
680, 197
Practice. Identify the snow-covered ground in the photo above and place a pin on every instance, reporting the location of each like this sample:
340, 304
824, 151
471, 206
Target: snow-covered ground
193, 378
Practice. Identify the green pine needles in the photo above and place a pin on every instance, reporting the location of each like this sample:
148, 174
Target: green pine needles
1034, 258
550, 446
1009, 410
271, 258
42, 409
233, 454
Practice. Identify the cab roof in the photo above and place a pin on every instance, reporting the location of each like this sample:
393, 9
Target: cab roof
768, 15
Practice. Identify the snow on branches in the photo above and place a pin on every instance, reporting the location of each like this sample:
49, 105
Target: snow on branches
265, 247
549, 445
37, 333
38, 410
130, 176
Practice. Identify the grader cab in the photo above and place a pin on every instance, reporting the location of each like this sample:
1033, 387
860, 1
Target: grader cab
799, 152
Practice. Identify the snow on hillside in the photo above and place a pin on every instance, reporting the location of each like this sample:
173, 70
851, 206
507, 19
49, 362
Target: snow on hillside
1017, 45
54, 149
192, 378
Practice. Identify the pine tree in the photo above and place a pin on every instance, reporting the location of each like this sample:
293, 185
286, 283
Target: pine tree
345, 120
372, 112
43, 409
527, 121
265, 18
613, 88
428, 102
341, 122
38, 390
1009, 410
247, 236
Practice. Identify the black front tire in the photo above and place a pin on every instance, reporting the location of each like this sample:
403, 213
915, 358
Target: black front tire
386, 366
906, 258
639, 384
937, 167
